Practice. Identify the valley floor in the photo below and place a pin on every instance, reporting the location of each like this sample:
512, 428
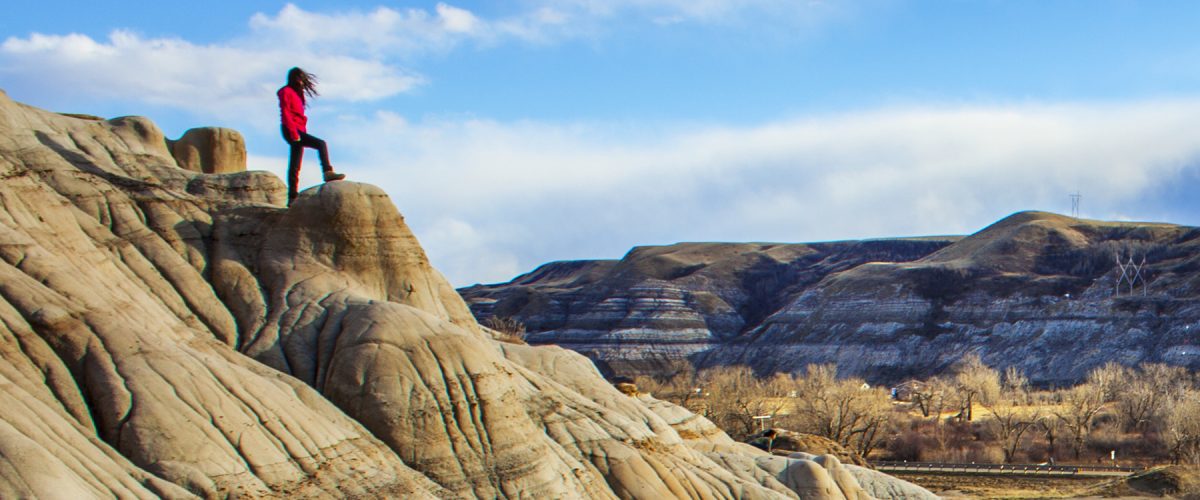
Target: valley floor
1007, 487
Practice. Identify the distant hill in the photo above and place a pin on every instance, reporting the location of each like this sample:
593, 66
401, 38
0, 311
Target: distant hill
1035, 290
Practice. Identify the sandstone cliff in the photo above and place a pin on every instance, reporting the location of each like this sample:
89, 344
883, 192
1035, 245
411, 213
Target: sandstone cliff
1034, 290
170, 333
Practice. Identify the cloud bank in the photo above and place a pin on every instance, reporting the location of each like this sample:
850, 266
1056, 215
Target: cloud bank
490, 199
494, 199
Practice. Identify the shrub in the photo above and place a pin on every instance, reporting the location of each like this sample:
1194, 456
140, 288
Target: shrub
511, 329
981, 453
908, 445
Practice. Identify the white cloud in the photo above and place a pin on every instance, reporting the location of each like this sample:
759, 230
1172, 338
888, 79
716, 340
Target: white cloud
359, 55
467, 251
711, 12
456, 20
547, 191
228, 81
383, 30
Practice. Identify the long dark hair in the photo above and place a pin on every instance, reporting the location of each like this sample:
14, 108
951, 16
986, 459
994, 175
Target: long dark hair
303, 82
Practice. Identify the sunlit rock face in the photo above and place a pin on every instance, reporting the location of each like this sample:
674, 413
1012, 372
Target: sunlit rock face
210, 150
1035, 290
170, 333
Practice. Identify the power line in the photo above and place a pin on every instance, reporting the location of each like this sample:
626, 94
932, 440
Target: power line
1131, 272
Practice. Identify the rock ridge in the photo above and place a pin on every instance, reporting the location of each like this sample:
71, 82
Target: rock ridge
168, 333
1035, 290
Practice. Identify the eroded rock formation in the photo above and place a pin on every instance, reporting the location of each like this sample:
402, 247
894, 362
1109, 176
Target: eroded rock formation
674, 302
168, 333
210, 150
1035, 290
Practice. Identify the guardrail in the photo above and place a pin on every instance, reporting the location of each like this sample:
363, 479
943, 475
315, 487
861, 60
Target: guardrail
1009, 469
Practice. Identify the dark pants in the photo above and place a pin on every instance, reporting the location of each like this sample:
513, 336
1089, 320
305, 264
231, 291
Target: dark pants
297, 156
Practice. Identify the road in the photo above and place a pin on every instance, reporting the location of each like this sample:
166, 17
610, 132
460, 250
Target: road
1008, 469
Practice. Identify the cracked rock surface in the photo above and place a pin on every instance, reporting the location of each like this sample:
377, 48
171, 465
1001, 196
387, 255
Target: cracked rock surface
169, 333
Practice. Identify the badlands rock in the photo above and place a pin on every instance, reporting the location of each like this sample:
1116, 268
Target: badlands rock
667, 303
1035, 291
168, 333
210, 150
785, 441
118, 361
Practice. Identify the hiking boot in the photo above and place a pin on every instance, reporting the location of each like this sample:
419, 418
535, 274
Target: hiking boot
333, 176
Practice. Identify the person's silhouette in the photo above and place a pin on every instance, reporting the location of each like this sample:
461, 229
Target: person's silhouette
293, 98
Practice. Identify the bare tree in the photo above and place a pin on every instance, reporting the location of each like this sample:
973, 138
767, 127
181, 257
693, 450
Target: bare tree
1009, 423
932, 397
846, 411
1181, 427
1015, 385
678, 384
1147, 391
1080, 406
733, 396
1110, 379
976, 382
1051, 427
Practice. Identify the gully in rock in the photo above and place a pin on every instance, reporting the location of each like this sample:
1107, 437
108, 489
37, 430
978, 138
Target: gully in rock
293, 98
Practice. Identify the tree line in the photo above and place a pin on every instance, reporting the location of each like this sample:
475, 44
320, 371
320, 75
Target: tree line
972, 413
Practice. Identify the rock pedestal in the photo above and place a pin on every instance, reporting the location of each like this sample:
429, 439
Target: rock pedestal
210, 150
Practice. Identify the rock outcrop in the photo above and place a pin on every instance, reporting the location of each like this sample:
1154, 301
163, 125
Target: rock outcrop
168, 333
1035, 290
210, 150
659, 304
783, 441
119, 370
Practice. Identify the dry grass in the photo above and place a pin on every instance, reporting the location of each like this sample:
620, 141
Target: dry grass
1006, 487
510, 330
1174, 481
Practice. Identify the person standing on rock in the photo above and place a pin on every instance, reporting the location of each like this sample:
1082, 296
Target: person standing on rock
293, 98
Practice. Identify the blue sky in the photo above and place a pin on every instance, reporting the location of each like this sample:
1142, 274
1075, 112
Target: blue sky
515, 133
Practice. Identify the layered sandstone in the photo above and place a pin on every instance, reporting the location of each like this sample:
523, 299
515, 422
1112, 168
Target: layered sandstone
659, 304
1035, 290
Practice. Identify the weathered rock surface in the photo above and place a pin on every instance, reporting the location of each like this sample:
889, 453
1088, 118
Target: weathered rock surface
783, 441
167, 333
119, 370
210, 150
1035, 290
674, 302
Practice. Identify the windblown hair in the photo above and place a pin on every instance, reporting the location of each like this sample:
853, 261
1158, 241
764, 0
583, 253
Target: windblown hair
303, 82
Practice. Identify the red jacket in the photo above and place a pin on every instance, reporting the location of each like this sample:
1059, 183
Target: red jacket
291, 112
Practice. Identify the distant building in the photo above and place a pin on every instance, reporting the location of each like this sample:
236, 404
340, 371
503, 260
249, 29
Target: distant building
906, 390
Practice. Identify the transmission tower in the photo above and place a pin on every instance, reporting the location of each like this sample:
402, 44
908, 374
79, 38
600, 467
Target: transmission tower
1131, 273
1075, 197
